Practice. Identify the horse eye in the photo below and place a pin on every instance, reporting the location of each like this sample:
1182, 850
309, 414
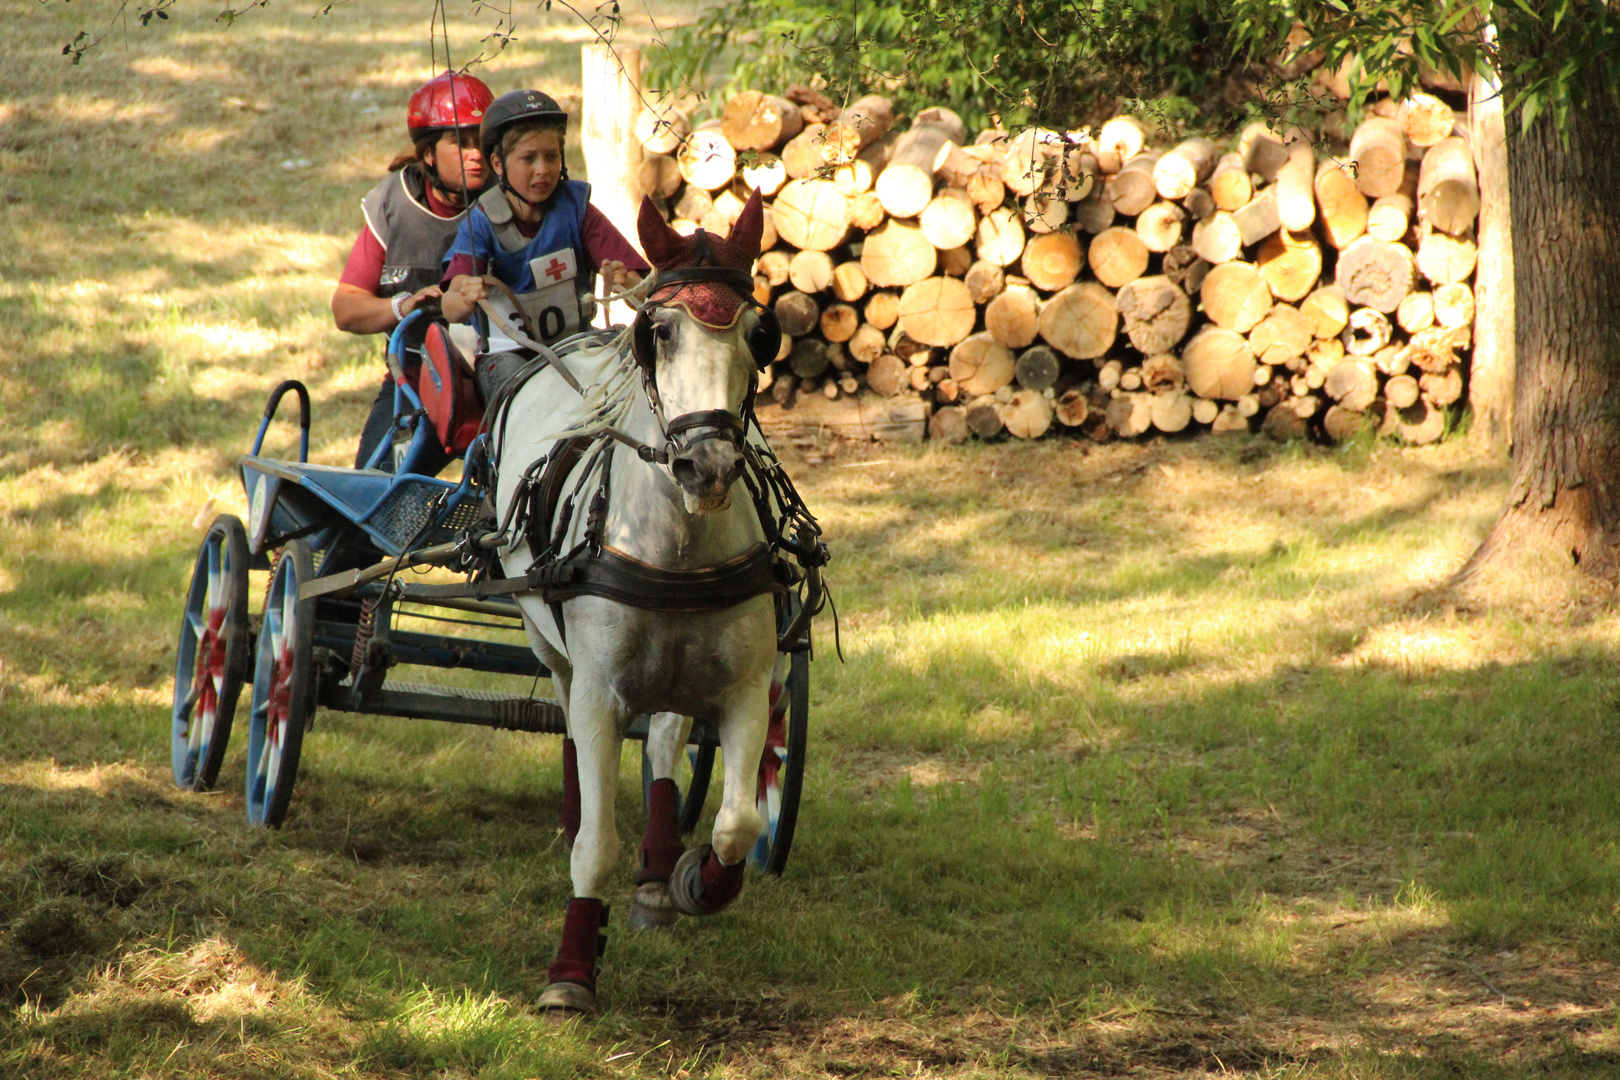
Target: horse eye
663, 332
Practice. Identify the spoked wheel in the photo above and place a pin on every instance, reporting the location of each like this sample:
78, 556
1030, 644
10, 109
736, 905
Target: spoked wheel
692, 773
781, 769
282, 688
213, 656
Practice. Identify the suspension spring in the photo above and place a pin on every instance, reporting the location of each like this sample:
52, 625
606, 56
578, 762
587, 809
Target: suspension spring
363, 632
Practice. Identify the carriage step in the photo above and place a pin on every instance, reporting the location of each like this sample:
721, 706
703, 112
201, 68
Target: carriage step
485, 708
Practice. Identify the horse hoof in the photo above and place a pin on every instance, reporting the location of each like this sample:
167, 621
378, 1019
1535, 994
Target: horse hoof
652, 909
686, 883
566, 1000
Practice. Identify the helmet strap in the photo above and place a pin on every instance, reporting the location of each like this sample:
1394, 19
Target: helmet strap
458, 196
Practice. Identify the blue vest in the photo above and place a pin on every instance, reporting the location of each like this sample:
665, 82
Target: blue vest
491, 236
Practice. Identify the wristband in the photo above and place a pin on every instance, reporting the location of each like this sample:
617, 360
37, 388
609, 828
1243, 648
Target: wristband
397, 304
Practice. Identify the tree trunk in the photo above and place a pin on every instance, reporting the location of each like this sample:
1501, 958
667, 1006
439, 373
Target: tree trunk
1566, 280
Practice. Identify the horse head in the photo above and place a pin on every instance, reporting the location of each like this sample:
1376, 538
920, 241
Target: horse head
701, 339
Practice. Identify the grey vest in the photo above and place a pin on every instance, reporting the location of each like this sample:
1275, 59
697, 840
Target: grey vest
414, 237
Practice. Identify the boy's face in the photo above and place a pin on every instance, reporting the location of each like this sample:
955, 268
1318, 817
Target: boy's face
534, 165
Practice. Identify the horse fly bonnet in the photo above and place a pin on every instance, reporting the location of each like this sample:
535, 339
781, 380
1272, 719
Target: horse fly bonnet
707, 276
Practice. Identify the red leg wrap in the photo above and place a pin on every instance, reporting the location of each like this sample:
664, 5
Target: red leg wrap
721, 883
661, 845
570, 798
584, 939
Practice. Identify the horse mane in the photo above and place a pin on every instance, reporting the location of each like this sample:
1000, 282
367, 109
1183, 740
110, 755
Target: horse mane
615, 390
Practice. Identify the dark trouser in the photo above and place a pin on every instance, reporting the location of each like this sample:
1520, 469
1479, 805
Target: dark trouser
380, 428
494, 370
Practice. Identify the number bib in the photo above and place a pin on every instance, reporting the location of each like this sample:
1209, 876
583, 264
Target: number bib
554, 305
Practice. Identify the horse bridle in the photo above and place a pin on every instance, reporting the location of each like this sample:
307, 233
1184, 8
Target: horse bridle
764, 341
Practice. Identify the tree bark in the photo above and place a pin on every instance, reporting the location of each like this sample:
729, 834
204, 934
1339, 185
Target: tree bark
1565, 206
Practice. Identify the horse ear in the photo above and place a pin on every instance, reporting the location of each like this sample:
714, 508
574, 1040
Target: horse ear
661, 243
750, 226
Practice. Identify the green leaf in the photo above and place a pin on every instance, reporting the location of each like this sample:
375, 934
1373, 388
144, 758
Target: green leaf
1529, 111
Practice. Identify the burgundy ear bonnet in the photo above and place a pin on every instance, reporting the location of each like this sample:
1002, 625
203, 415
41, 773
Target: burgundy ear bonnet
708, 277
715, 304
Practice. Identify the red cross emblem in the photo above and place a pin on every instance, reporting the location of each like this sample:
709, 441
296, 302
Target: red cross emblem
555, 270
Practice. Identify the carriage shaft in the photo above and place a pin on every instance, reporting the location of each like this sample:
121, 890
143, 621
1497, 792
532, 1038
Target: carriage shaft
482, 708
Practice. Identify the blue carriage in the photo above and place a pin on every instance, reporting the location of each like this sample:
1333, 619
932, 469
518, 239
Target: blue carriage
336, 542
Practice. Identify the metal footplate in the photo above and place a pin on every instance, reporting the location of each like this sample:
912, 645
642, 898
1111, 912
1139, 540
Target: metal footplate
485, 708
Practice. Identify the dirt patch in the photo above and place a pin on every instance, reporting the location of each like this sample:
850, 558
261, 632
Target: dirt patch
62, 916
107, 879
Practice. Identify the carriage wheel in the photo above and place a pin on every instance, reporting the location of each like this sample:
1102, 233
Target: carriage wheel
781, 770
282, 690
213, 655
692, 776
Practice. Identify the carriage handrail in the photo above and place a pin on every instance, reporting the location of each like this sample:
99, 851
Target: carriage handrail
270, 411
395, 353
406, 401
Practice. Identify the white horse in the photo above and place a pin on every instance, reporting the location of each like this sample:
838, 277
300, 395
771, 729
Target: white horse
679, 394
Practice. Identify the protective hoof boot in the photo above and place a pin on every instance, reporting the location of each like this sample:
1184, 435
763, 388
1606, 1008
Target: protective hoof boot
652, 909
572, 977
661, 845
702, 884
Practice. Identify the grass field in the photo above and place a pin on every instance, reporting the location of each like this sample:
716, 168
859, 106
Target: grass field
1145, 760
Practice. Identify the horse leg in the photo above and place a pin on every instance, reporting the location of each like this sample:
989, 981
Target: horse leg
709, 877
661, 845
561, 673
568, 811
597, 728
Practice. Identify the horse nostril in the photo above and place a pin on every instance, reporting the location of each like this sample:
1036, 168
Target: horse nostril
685, 469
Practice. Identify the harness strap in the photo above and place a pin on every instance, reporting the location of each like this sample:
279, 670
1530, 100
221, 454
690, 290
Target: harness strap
643, 451
724, 419
545, 495
615, 576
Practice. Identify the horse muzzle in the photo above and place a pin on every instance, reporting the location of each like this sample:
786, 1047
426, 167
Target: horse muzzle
707, 457
705, 472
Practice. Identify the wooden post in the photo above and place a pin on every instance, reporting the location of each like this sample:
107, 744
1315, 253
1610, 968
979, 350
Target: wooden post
611, 82
1491, 379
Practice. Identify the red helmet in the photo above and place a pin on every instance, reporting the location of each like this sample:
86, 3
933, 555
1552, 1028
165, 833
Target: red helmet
448, 102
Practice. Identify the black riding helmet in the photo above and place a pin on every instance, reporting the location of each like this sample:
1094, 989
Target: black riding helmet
509, 108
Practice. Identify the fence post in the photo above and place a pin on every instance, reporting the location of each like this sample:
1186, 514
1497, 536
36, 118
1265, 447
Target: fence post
1492, 372
611, 101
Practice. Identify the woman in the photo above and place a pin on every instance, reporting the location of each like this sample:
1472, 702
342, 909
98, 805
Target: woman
537, 233
411, 219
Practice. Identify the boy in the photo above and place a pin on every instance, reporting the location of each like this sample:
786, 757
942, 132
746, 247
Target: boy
537, 233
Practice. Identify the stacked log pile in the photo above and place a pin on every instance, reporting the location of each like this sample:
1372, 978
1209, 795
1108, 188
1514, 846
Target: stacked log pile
1037, 281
